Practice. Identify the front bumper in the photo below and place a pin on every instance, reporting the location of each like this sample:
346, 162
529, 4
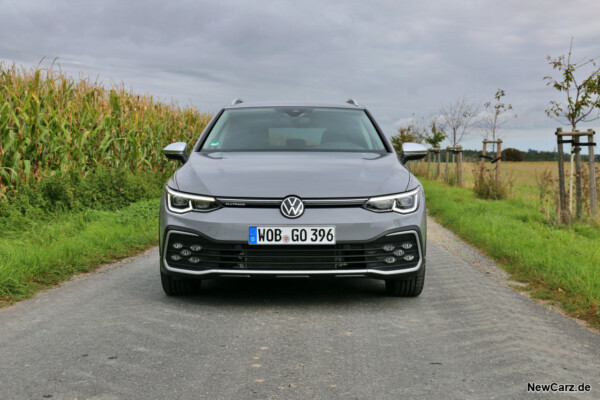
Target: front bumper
223, 238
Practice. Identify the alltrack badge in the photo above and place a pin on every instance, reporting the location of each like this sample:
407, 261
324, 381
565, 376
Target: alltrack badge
292, 207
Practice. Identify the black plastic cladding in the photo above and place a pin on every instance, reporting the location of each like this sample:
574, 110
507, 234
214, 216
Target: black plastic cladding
240, 256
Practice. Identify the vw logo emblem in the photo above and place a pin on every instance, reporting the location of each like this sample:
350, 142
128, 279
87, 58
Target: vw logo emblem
292, 207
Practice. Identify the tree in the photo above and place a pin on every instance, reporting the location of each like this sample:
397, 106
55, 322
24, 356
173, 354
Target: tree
511, 154
582, 93
496, 114
459, 118
406, 134
582, 100
436, 135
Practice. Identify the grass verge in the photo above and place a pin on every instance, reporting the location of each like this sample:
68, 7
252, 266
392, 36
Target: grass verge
52, 251
562, 265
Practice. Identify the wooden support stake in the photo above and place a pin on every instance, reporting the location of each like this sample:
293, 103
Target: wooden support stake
564, 216
578, 189
446, 174
460, 168
571, 173
428, 162
439, 163
499, 158
454, 166
484, 153
593, 193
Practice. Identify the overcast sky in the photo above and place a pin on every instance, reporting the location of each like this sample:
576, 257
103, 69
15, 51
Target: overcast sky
398, 58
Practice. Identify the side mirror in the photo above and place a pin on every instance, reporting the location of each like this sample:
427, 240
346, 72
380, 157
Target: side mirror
412, 151
176, 151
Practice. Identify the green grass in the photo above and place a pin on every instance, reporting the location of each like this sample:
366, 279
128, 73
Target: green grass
561, 264
49, 252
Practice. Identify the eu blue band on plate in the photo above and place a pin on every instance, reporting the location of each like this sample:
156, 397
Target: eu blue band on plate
252, 235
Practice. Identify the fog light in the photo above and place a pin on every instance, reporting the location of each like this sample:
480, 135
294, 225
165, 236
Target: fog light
390, 260
175, 257
399, 253
388, 247
177, 245
407, 245
409, 257
194, 260
185, 252
196, 247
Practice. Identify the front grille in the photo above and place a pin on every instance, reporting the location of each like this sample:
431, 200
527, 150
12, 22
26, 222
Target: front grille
191, 252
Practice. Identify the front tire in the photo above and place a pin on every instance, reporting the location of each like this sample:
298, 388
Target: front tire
408, 287
179, 287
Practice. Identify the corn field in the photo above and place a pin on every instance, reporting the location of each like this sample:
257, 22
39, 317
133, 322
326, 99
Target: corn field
51, 123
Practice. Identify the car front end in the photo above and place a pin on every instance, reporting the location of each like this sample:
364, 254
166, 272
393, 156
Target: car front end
293, 212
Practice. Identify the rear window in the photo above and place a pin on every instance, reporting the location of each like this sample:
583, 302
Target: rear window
293, 129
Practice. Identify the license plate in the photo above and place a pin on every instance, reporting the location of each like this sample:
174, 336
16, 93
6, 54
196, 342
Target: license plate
291, 235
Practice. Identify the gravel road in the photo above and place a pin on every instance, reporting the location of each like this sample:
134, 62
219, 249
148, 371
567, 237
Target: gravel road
114, 335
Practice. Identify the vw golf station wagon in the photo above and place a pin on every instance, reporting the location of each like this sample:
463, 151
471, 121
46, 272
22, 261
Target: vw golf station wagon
293, 190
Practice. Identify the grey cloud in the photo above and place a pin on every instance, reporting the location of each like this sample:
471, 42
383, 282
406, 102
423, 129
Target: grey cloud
398, 58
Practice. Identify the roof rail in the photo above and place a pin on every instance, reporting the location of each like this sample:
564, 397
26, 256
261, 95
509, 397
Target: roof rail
236, 101
352, 101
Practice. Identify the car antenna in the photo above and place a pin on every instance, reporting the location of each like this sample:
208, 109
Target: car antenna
236, 101
352, 101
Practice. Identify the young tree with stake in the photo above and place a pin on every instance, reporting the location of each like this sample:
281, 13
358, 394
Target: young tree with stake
434, 138
496, 114
583, 101
582, 105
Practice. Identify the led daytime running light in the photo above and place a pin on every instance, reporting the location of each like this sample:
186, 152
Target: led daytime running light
392, 199
191, 198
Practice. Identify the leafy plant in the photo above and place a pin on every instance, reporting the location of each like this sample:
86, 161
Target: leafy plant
485, 185
436, 135
52, 124
548, 196
582, 97
407, 134
496, 114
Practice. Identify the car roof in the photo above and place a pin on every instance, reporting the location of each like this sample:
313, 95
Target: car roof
293, 104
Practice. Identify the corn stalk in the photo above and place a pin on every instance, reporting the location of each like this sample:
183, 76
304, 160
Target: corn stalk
51, 123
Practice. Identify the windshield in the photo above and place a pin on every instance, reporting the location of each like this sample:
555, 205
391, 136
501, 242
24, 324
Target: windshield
293, 129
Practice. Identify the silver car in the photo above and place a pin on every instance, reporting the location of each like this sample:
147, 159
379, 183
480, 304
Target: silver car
293, 190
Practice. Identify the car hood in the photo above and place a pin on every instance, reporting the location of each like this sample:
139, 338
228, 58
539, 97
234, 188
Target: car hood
279, 174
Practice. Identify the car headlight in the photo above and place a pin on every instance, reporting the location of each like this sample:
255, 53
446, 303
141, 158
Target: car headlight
182, 202
403, 203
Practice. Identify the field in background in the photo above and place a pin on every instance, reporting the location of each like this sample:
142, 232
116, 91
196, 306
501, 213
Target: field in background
524, 175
